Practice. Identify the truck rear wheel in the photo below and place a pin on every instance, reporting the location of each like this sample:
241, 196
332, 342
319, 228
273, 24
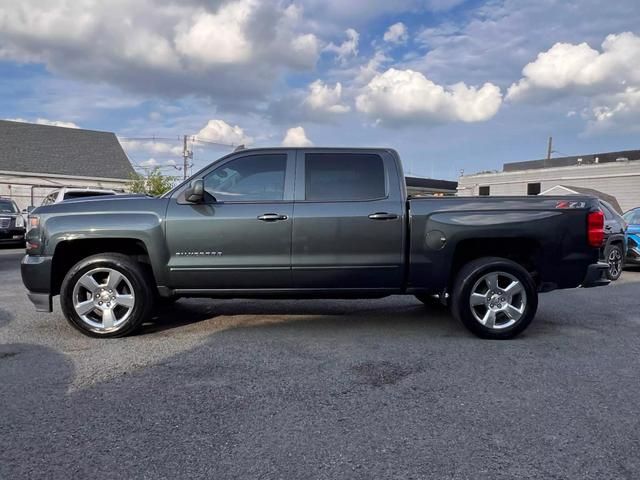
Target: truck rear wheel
106, 295
494, 298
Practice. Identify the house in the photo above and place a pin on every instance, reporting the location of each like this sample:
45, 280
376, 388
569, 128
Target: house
616, 174
36, 159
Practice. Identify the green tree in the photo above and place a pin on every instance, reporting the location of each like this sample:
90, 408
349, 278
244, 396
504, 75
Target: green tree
154, 183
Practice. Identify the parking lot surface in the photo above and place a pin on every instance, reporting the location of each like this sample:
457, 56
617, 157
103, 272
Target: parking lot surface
322, 389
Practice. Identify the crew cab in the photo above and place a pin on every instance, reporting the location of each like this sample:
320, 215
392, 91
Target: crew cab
309, 222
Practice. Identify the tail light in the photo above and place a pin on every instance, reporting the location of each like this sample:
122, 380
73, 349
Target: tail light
595, 229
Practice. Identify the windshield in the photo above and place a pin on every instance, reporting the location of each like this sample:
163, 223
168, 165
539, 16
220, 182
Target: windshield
632, 217
7, 206
70, 195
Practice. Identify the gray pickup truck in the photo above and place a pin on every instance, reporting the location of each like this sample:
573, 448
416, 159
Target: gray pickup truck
302, 223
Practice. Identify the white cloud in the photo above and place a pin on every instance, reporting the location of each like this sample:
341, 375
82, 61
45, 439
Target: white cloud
396, 33
296, 137
217, 38
400, 96
219, 131
150, 163
579, 68
371, 68
44, 121
348, 48
607, 80
152, 146
229, 50
323, 98
619, 112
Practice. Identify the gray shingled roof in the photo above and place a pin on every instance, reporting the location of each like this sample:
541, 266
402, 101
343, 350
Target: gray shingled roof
27, 147
598, 194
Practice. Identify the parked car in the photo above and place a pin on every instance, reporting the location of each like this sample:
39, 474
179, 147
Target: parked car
332, 223
632, 217
12, 224
615, 240
68, 193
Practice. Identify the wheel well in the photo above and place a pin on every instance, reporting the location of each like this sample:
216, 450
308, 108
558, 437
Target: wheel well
523, 251
70, 252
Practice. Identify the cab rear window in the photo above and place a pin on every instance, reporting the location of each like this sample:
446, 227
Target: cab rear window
344, 177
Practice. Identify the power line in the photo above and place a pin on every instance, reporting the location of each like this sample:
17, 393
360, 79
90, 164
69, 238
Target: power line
217, 144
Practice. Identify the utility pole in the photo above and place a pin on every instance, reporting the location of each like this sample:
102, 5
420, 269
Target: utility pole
549, 148
186, 155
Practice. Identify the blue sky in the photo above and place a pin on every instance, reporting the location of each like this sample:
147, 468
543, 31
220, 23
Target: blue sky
451, 84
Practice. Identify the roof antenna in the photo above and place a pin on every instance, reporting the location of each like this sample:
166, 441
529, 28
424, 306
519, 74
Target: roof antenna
239, 148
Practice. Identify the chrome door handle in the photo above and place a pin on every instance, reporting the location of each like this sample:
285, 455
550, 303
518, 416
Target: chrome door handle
272, 217
383, 216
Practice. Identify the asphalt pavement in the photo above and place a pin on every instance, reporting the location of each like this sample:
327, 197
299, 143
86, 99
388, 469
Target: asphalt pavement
371, 389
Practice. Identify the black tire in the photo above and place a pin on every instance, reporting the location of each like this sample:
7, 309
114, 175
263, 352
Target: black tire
141, 286
473, 275
614, 257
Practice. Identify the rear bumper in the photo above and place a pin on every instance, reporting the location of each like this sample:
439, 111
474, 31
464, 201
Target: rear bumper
36, 276
596, 275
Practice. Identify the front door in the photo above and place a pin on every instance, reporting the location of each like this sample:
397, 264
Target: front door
240, 236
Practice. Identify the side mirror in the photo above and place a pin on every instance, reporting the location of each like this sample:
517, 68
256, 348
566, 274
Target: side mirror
29, 209
195, 192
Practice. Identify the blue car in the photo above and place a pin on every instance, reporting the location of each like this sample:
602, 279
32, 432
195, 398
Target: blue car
632, 217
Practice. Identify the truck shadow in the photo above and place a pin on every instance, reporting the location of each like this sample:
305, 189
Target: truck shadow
228, 314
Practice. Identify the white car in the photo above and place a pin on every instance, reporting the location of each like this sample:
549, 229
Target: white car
68, 193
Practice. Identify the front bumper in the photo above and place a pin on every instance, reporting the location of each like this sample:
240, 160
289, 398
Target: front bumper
12, 235
633, 250
36, 276
596, 275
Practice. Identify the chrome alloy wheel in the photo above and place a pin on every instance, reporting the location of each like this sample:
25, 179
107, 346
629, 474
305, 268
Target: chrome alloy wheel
103, 298
498, 300
615, 262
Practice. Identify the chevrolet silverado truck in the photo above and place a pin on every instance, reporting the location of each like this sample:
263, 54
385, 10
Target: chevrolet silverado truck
309, 223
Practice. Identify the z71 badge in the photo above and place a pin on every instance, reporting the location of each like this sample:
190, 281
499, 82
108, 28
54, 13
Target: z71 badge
570, 204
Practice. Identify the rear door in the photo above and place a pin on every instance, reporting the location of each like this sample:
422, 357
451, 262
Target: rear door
240, 236
349, 220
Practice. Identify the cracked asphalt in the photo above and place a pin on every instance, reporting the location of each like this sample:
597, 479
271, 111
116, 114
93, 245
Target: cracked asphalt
322, 389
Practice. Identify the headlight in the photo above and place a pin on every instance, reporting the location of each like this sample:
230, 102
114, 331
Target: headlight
33, 236
34, 222
19, 221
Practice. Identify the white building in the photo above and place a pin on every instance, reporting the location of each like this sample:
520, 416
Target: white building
616, 174
37, 159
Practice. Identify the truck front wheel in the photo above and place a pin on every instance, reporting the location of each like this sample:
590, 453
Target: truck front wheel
106, 295
494, 298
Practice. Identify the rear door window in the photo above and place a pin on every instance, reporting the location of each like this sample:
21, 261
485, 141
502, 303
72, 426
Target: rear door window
344, 177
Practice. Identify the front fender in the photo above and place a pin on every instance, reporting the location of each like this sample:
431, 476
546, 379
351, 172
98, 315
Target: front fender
146, 227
